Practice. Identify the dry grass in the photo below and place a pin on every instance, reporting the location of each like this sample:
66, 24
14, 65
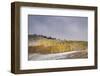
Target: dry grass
45, 46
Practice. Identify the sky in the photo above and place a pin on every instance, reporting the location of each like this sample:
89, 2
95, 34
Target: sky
60, 27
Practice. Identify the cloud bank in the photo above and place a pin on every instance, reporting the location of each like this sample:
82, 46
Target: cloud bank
60, 27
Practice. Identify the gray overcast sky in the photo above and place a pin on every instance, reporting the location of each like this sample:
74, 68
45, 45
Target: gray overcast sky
60, 27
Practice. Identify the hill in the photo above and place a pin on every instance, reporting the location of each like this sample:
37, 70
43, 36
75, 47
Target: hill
48, 45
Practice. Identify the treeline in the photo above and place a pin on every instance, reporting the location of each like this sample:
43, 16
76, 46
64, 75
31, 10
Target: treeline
42, 36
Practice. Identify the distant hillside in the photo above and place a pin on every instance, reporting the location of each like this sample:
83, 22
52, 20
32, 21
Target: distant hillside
44, 44
35, 36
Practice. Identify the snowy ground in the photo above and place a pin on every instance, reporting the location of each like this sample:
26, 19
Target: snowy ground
57, 56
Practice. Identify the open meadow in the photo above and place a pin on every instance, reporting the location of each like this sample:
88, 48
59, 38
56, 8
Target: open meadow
46, 48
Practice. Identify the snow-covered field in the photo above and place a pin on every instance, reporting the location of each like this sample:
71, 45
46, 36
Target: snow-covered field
57, 56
